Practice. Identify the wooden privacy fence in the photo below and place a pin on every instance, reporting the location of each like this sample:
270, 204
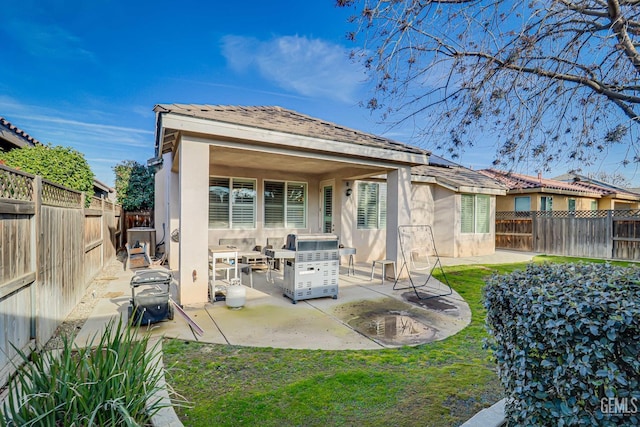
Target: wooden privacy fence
609, 234
51, 247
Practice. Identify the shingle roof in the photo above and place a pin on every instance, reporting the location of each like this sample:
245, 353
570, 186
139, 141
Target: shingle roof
451, 173
287, 121
516, 181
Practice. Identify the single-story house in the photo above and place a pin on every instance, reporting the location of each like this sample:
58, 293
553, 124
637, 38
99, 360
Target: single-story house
266, 172
529, 193
613, 197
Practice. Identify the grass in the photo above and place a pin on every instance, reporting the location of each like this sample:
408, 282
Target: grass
438, 384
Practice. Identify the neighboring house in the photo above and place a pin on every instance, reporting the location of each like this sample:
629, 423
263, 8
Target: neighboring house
613, 197
528, 193
102, 190
266, 172
12, 137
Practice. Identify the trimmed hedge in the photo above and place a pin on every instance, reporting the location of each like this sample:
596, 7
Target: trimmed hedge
566, 339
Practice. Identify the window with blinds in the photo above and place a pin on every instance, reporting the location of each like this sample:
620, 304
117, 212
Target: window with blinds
475, 213
372, 205
243, 203
232, 203
483, 213
285, 204
296, 212
467, 214
219, 203
273, 204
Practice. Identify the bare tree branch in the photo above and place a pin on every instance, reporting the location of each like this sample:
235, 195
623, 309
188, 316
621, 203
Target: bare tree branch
548, 79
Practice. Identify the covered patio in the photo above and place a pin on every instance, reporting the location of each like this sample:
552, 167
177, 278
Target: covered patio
262, 173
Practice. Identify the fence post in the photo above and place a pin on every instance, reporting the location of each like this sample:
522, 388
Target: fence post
36, 256
103, 224
534, 232
609, 232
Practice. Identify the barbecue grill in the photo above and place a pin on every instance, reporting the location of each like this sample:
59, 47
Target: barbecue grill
150, 304
313, 272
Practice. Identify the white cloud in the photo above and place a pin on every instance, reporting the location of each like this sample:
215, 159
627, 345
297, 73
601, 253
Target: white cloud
310, 67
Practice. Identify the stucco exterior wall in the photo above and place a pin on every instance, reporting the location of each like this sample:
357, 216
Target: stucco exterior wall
560, 202
446, 221
370, 244
475, 244
450, 241
422, 204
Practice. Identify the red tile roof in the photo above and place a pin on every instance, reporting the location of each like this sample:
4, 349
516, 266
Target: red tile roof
516, 181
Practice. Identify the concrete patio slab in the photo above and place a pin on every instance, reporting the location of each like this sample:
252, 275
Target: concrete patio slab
269, 319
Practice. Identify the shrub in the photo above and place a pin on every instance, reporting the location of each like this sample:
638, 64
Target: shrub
566, 339
61, 165
111, 384
135, 186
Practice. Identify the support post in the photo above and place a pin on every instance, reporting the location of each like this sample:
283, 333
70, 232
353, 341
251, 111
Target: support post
194, 222
398, 210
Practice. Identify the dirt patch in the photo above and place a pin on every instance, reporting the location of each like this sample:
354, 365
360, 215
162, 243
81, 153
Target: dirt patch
113, 294
432, 303
388, 321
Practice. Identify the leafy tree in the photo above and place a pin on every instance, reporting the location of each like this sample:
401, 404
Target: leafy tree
134, 185
61, 165
553, 80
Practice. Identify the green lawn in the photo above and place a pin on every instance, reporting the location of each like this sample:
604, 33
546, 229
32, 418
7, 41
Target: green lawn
437, 384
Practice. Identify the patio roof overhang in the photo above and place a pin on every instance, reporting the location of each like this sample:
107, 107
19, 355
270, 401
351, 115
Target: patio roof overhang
237, 146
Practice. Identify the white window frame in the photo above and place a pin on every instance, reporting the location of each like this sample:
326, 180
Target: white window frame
232, 190
547, 201
480, 225
373, 216
288, 208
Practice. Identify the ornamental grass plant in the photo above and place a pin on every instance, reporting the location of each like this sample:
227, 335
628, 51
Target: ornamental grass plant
111, 383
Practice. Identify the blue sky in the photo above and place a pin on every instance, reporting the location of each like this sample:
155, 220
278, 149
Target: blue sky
87, 74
